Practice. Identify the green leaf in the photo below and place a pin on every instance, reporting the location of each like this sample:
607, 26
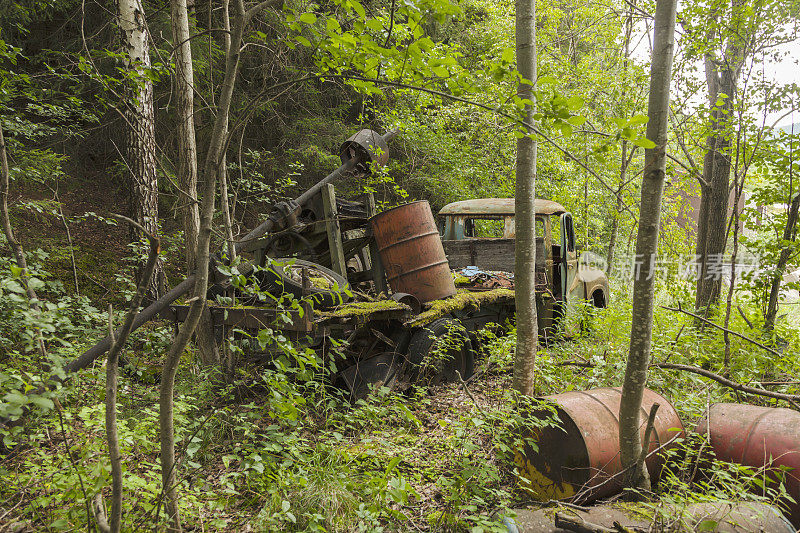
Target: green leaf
302, 40
359, 9
574, 103
576, 120
618, 122
644, 143
706, 525
507, 55
637, 120
307, 18
41, 401
333, 25
442, 72
13, 286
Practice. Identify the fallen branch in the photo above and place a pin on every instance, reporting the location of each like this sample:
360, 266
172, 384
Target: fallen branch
679, 309
792, 398
469, 393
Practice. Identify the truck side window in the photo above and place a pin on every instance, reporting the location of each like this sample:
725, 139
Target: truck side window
570, 232
469, 227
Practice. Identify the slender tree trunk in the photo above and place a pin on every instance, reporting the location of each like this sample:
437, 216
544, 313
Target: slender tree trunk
612, 241
738, 188
721, 77
140, 139
647, 245
624, 161
187, 144
226, 356
789, 234
16, 246
208, 354
525, 258
198, 307
112, 366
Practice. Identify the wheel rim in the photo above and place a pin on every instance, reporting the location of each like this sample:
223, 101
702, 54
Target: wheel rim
295, 273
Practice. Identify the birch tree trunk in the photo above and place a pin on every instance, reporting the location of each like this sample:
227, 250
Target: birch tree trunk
140, 138
647, 245
525, 257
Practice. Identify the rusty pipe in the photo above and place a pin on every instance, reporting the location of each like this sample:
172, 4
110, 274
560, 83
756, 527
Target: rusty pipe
87, 357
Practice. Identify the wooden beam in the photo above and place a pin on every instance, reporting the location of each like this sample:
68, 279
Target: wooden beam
338, 263
378, 274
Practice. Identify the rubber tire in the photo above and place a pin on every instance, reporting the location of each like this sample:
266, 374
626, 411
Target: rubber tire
275, 281
424, 340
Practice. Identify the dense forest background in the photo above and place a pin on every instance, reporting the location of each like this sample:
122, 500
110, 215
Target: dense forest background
274, 448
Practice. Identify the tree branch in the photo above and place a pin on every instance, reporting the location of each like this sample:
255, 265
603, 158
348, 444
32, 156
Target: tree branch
710, 323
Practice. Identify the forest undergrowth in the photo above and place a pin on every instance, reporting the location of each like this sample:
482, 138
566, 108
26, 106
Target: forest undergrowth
279, 449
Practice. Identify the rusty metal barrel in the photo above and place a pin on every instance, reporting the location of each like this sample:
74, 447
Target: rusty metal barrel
412, 253
578, 459
757, 436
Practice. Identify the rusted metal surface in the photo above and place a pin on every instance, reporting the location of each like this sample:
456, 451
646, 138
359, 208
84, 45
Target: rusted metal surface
757, 436
580, 460
411, 252
366, 146
720, 517
492, 207
409, 300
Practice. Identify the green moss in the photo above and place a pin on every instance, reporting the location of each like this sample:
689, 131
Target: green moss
362, 309
463, 299
320, 283
458, 279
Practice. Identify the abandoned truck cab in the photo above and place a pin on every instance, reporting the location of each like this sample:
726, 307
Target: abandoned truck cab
481, 233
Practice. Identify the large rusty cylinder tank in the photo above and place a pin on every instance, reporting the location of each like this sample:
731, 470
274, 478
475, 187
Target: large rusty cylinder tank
758, 436
412, 253
369, 145
578, 459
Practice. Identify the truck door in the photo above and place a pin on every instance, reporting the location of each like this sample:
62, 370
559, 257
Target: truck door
570, 287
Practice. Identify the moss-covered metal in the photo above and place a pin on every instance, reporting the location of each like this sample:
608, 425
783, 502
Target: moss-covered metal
463, 299
361, 311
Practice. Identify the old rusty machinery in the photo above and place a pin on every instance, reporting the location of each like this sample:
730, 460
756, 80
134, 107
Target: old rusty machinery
328, 251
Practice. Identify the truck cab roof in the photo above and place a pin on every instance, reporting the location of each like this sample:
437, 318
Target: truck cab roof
493, 207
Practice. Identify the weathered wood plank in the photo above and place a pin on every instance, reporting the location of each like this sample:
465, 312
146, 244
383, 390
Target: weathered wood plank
378, 273
338, 261
487, 254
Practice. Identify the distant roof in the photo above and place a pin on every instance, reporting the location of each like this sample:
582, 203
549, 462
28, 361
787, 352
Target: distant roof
498, 206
